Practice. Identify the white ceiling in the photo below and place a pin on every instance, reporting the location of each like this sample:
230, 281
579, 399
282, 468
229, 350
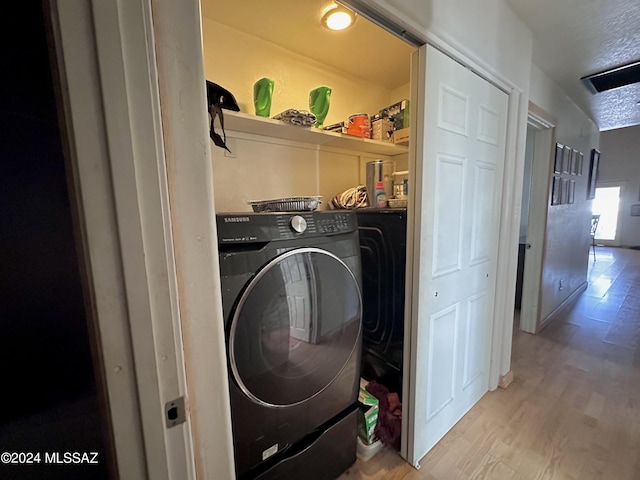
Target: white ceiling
572, 38
364, 50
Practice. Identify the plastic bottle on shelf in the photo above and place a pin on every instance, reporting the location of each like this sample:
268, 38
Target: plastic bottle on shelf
380, 195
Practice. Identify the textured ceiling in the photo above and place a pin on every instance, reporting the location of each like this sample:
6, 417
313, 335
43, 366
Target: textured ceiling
572, 39
576, 38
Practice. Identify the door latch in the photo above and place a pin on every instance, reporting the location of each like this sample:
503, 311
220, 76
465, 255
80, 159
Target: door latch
174, 413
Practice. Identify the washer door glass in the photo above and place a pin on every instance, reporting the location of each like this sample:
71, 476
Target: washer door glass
295, 327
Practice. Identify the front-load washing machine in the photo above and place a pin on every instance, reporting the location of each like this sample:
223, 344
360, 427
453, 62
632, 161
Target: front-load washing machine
292, 308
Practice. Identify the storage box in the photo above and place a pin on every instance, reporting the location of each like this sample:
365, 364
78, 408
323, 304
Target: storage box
399, 112
401, 137
339, 127
368, 417
365, 452
382, 129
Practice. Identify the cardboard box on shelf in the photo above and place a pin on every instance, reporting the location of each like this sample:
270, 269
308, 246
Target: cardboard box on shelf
368, 418
401, 137
382, 129
399, 112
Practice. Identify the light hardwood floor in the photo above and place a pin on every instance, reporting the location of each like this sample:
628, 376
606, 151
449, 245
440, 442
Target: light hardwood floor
573, 410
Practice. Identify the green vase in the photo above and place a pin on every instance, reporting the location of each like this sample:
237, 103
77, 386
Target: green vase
319, 103
262, 93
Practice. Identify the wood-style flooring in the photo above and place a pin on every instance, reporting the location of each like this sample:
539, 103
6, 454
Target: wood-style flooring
573, 410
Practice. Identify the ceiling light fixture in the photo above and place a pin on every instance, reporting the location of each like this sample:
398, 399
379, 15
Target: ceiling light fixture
338, 18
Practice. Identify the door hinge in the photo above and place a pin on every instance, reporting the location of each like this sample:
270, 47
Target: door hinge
174, 413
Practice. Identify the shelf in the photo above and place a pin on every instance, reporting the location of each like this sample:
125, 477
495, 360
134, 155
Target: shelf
242, 122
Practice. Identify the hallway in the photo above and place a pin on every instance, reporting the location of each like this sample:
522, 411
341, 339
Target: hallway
573, 410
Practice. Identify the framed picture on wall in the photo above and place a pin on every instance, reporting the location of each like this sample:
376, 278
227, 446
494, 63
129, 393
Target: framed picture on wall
572, 191
556, 188
557, 161
593, 174
564, 194
574, 162
566, 159
580, 163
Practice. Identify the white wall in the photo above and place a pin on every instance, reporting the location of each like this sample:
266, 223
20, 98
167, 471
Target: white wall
567, 248
294, 75
263, 168
620, 161
488, 32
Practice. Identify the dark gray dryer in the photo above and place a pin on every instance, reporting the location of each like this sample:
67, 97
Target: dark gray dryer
292, 307
383, 250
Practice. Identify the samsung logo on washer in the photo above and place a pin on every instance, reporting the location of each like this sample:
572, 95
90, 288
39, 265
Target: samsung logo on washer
236, 219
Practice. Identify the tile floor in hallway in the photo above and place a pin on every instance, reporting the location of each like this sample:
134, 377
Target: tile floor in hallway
573, 410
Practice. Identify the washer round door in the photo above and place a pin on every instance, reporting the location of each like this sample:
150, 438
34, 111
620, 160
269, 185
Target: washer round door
295, 327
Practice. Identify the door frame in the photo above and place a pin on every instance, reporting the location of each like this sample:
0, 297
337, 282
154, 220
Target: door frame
623, 186
542, 171
141, 173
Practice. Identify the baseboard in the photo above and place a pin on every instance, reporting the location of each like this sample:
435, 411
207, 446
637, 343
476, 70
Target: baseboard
506, 380
560, 308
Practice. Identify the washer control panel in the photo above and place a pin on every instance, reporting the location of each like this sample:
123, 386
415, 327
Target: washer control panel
336, 223
264, 227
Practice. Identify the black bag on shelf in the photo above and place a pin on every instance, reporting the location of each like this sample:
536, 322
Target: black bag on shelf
217, 99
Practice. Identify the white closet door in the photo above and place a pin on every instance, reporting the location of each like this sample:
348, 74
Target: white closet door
458, 177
